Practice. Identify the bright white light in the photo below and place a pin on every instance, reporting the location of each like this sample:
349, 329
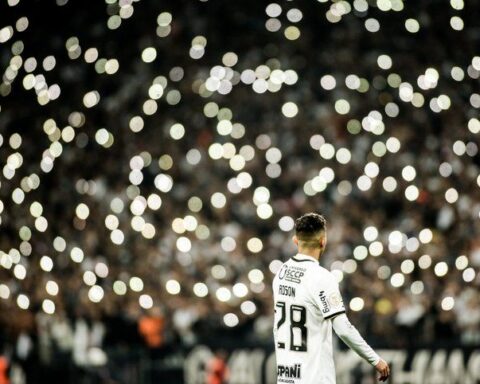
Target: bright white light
95, 294
441, 269
20, 272
89, 278
360, 252
173, 287
448, 303
117, 236
240, 290
356, 304
136, 284
328, 82
254, 245
248, 307
119, 287
451, 195
184, 244
424, 261
23, 301
76, 254
425, 235
200, 289
145, 301
412, 193
255, 276
407, 266
417, 287
4, 291
376, 248
230, 320
275, 266
289, 109
286, 223
408, 173
48, 306
223, 294
219, 272
52, 288
370, 233
397, 280
389, 184
46, 263
218, 200
461, 262
264, 211
228, 244
468, 275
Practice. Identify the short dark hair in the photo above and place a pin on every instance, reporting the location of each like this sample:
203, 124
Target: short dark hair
309, 225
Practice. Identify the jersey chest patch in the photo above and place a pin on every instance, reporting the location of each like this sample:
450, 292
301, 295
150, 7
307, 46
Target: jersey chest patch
291, 274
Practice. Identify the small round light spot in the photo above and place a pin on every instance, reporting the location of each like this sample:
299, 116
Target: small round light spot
448, 303
200, 289
356, 304
173, 287
230, 320
145, 301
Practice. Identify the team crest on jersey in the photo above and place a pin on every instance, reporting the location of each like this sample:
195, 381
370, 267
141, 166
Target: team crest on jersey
335, 300
292, 274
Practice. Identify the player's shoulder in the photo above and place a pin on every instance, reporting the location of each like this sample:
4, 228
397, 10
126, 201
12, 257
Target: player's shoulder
324, 271
321, 276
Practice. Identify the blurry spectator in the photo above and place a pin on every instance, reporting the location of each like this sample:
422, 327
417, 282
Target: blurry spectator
151, 327
468, 317
217, 369
4, 370
87, 342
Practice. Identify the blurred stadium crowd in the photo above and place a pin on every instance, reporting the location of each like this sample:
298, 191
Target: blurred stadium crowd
155, 155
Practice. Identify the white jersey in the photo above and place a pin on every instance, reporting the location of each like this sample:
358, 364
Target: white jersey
306, 298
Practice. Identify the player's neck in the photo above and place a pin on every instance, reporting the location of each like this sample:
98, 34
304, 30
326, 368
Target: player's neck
315, 253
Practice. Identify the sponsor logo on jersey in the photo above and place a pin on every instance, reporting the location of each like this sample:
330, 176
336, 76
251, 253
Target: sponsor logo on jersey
323, 299
285, 290
292, 274
289, 371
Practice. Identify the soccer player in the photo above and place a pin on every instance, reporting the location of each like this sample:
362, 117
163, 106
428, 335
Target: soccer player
308, 305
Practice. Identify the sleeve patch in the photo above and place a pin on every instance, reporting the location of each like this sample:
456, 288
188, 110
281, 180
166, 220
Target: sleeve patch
335, 300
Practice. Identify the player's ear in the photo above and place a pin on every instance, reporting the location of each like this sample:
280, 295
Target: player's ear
295, 240
323, 241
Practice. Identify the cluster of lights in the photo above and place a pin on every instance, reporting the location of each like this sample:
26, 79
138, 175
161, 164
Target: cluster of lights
274, 22
134, 209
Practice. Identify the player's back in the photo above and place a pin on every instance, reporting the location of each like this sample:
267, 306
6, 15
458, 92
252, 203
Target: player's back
305, 296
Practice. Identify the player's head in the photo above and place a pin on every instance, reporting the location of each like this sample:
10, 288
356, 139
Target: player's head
310, 232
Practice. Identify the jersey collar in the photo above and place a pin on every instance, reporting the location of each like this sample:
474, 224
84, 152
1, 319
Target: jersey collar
301, 256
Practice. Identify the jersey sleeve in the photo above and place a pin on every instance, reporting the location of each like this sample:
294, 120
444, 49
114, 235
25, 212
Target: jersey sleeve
327, 296
350, 336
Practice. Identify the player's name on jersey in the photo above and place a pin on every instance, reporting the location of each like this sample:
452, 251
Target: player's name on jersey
285, 290
291, 273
